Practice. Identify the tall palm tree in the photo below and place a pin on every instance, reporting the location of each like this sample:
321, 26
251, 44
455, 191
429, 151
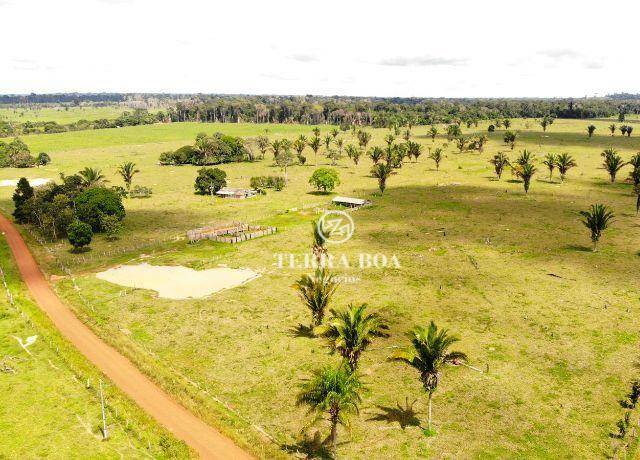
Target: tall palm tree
413, 149
315, 143
127, 171
299, 144
92, 176
612, 128
389, 138
333, 392
613, 163
350, 331
507, 123
381, 171
437, 155
316, 292
276, 147
353, 152
550, 162
433, 132
597, 219
328, 139
565, 162
429, 354
499, 162
376, 153
319, 243
335, 132
525, 172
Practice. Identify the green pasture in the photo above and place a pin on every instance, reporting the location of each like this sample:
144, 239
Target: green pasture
61, 115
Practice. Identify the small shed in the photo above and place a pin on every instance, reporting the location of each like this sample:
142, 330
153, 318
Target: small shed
350, 202
238, 193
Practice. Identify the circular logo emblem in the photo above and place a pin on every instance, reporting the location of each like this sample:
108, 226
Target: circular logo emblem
336, 227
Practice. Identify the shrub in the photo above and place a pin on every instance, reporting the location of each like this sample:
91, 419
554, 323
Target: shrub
209, 181
261, 182
111, 226
93, 203
43, 159
140, 192
79, 234
324, 179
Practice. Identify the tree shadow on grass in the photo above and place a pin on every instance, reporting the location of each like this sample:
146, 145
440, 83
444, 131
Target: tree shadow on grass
578, 248
302, 331
310, 447
403, 416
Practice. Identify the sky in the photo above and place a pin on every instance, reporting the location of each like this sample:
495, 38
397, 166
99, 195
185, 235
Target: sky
402, 48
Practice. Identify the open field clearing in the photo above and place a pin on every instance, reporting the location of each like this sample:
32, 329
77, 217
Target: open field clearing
49, 395
62, 115
553, 325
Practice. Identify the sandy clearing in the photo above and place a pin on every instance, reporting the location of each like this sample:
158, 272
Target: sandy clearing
178, 282
34, 182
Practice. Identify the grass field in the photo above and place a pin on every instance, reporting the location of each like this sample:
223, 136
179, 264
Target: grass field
49, 401
511, 274
61, 115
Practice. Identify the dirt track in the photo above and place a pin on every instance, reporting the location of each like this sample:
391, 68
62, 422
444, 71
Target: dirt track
208, 442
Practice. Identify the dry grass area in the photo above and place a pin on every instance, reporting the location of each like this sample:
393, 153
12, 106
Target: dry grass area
512, 274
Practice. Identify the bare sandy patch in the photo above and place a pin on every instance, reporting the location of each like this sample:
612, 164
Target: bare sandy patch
178, 282
32, 182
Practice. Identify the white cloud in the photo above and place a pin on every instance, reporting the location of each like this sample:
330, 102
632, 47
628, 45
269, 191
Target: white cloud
415, 48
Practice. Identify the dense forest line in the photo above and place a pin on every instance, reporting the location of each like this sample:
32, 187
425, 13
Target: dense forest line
337, 110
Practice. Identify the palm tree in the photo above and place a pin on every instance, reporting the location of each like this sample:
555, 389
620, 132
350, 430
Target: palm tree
328, 139
629, 130
413, 149
316, 292
364, 138
127, 171
433, 132
545, 122
565, 162
613, 163
591, 129
623, 129
335, 132
350, 331
481, 141
316, 131
634, 175
499, 162
276, 147
612, 128
525, 172
461, 142
381, 171
510, 139
437, 156
429, 354
263, 145
319, 242
507, 123
376, 153
597, 219
92, 176
334, 391
315, 143
353, 152
526, 156
389, 138
406, 135
299, 144
550, 162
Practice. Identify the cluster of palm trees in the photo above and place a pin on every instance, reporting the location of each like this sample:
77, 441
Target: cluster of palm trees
624, 129
334, 392
92, 177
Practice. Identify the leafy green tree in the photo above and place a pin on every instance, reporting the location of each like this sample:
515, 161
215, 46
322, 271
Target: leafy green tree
43, 159
550, 162
381, 171
481, 141
350, 331
92, 177
263, 145
591, 129
364, 138
316, 292
209, 181
299, 144
127, 171
325, 179
506, 123
285, 158
565, 162
461, 143
376, 153
79, 235
433, 132
546, 121
613, 163
510, 138
95, 202
334, 392
429, 354
437, 155
22, 194
597, 219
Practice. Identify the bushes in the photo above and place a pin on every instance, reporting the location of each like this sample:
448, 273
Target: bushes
261, 182
208, 150
140, 192
324, 179
93, 203
209, 181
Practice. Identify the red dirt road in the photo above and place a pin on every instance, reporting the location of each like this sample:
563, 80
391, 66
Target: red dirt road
208, 442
